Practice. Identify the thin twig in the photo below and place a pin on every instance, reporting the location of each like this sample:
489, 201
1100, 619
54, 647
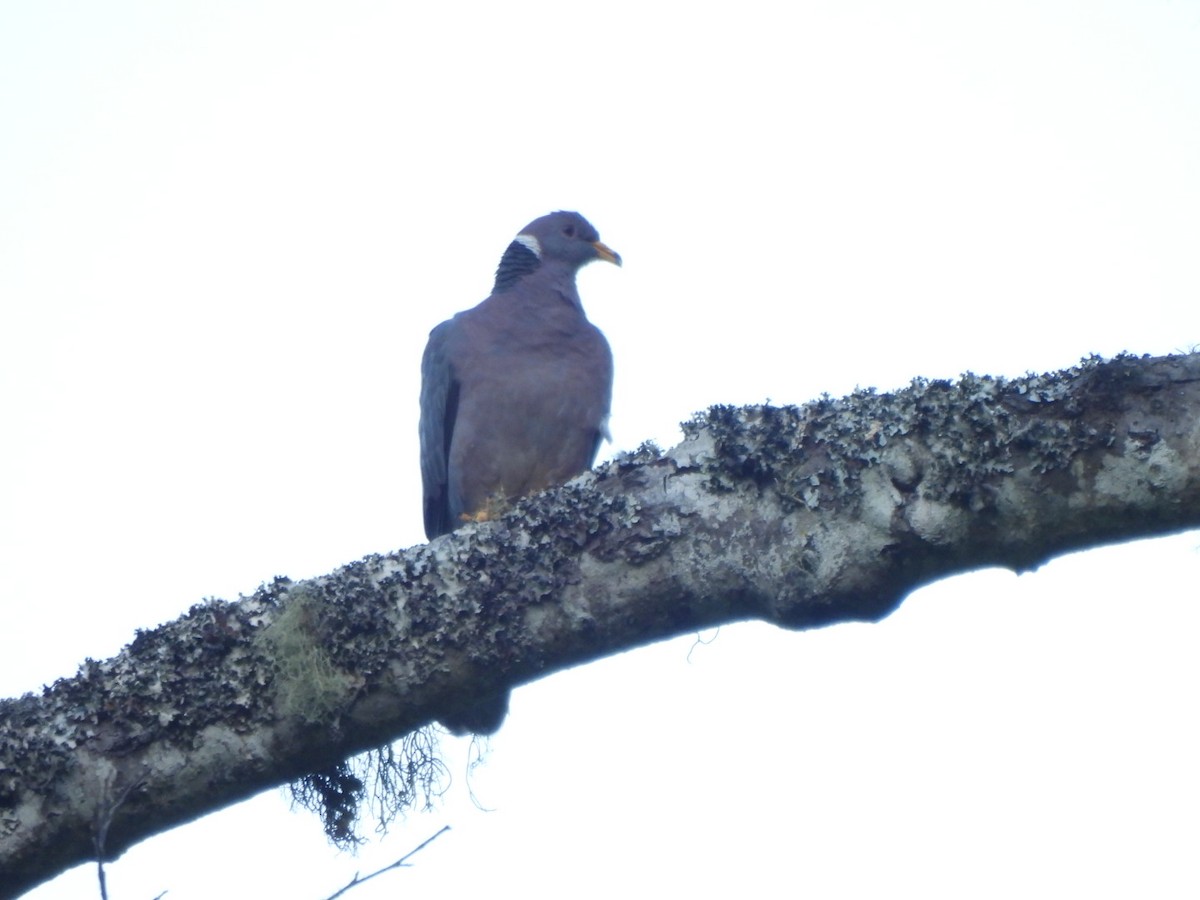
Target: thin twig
103, 819
396, 865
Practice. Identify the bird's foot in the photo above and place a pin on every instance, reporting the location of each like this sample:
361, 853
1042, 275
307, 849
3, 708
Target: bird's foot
494, 508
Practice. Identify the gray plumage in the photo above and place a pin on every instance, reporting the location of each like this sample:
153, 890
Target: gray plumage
515, 392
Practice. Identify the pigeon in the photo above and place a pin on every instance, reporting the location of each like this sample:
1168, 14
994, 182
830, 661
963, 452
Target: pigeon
515, 392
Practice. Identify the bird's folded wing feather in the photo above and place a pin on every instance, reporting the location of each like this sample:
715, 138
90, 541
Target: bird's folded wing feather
439, 406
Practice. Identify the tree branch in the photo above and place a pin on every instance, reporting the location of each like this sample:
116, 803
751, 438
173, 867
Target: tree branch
797, 516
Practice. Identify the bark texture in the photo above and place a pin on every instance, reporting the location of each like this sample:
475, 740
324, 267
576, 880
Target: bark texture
799, 516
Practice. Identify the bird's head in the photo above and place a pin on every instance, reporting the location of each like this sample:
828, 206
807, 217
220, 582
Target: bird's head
566, 237
561, 241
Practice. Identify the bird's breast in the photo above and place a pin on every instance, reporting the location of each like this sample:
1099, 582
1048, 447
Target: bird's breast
531, 405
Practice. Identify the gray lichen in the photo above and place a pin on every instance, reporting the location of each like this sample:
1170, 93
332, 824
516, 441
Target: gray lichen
971, 430
167, 685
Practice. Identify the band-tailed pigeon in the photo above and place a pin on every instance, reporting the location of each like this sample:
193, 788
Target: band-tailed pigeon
515, 392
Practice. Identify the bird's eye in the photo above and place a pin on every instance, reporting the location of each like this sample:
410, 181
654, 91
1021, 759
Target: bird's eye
569, 231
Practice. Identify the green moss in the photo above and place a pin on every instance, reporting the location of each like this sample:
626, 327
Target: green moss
308, 684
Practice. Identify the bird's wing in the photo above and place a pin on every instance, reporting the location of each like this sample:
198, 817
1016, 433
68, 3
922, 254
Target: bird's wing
439, 407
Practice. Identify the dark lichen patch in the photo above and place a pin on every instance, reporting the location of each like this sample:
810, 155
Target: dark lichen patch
346, 636
167, 685
504, 568
971, 432
356, 626
175, 679
794, 452
647, 453
27, 743
598, 517
538, 545
356, 616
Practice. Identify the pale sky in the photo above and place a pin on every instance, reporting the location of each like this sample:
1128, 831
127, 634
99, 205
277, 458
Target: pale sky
227, 228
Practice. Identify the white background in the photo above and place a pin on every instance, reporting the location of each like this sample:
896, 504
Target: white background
227, 228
